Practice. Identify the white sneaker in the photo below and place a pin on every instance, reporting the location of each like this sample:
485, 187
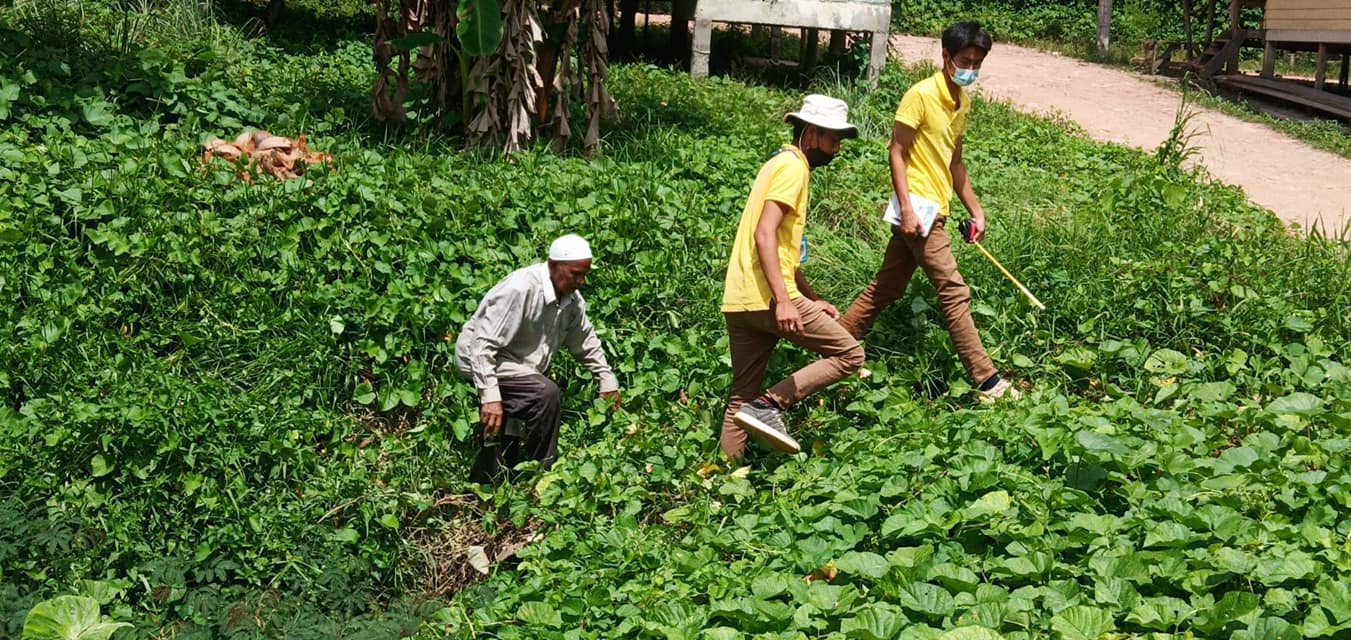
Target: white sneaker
1002, 389
766, 423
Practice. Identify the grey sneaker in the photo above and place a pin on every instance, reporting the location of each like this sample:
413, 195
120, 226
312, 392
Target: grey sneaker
766, 423
1000, 391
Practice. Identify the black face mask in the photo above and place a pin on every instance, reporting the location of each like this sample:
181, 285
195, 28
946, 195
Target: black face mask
818, 158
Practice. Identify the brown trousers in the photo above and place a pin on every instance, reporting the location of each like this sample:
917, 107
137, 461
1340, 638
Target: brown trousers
933, 253
752, 337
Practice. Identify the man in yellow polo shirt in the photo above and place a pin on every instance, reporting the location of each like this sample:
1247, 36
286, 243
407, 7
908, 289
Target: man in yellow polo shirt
766, 297
926, 168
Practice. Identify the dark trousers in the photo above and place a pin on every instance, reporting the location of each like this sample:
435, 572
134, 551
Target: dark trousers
534, 401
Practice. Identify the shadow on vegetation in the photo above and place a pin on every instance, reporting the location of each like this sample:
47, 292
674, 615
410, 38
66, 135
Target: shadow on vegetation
67, 66
301, 28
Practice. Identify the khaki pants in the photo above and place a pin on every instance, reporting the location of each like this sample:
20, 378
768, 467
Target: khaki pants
933, 253
752, 337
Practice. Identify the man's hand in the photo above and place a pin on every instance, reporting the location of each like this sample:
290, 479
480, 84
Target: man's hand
828, 308
910, 223
613, 397
787, 318
490, 414
977, 229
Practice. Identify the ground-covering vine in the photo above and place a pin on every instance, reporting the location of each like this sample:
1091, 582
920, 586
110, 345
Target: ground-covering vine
228, 409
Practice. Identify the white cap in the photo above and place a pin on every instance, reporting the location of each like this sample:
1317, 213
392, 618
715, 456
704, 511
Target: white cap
825, 112
569, 248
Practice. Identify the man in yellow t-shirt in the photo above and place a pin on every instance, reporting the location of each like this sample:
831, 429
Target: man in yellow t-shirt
926, 161
766, 297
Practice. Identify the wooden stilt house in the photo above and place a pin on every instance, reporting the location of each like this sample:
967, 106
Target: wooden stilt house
1319, 26
872, 16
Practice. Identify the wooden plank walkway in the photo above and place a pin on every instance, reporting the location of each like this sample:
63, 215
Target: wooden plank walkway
1289, 91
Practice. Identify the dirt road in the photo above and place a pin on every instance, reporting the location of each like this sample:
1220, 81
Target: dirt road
1302, 185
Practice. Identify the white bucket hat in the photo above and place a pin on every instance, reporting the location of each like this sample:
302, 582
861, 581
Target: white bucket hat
568, 248
825, 112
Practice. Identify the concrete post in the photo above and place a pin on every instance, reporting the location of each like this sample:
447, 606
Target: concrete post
1320, 74
878, 59
703, 44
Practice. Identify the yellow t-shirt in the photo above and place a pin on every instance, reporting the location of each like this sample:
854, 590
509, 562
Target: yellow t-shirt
783, 179
939, 123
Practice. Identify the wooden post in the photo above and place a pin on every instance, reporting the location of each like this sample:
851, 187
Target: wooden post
682, 12
1210, 23
273, 13
626, 36
811, 41
1236, 32
1320, 73
838, 42
1268, 59
1104, 26
1346, 65
1187, 28
775, 42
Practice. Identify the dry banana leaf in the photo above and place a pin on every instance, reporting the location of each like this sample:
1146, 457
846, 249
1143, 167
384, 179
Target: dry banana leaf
264, 153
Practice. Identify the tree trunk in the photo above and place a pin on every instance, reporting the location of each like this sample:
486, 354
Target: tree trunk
1104, 25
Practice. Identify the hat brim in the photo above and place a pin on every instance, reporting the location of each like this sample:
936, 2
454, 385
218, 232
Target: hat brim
841, 127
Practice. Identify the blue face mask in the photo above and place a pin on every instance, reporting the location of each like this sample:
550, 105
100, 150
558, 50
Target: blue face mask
964, 77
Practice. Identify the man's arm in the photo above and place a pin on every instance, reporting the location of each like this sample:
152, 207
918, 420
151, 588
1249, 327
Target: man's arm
501, 318
807, 290
804, 286
585, 346
961, 183
902, 141
767, 250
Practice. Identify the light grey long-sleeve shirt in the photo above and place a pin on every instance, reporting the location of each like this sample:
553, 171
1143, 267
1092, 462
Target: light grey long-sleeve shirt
518, 328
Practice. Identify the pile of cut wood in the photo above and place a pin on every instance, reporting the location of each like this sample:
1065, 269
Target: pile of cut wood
264, 153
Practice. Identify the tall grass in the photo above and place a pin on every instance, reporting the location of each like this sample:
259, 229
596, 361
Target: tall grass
99, 27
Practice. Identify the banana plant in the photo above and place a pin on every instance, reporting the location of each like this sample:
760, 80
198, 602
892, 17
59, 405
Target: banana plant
479, 31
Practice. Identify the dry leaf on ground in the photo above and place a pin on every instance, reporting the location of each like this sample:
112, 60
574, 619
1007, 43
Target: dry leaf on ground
265, 153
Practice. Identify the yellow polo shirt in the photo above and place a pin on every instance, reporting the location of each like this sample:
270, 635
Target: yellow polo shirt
783, 179
939, 123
